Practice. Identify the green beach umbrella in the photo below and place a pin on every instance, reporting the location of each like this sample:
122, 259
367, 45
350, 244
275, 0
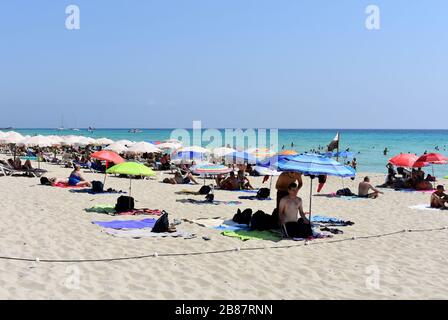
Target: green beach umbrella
131, 169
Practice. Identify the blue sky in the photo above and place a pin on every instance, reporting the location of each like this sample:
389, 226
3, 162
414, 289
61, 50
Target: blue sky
229, 63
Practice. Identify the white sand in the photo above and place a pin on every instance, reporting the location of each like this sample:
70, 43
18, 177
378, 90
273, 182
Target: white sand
50, 223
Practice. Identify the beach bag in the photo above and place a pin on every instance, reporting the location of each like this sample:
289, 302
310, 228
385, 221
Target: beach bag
263, 193
261, 221
210, 197
124, 204
97, 187
45, 181
205, 190
345, 192
243, 217
162, 224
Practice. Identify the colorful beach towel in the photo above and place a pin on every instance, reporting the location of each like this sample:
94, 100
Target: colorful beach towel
425, 207
245, 235
146, 233
110, 210
330, 220
65, 185
412, 190
127, 224
220, 224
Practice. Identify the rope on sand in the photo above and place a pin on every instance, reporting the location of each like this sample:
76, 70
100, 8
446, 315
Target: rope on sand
155, 254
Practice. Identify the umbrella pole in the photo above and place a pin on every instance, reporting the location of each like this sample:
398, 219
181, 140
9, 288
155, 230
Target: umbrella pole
434, 182
270, 184
311, 197
130, 187
104, 181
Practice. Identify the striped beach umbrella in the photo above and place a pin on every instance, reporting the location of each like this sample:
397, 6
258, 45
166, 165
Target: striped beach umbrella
210, 169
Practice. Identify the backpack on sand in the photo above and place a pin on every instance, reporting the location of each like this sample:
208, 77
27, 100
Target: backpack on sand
124, 204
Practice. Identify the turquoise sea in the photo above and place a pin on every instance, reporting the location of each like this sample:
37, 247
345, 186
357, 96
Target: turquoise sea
368, 145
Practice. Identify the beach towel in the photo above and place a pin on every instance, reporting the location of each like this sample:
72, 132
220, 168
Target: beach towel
126, 224
146, 233
316, 235
215, 202
425, 207
90, 191
110, 209
245, 235
220, 224
413, 190
330, 221
65, 185
252, 198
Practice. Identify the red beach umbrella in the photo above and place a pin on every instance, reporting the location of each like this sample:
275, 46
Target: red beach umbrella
108, 156
406, 160
432, 158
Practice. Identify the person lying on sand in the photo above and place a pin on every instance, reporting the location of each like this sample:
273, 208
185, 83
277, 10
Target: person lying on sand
364, 188
290, 208
77, 179
439, 198
180, 179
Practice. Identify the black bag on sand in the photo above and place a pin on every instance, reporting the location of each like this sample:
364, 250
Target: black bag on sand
205, 190
162, 224
210, 197
45, 181
261, 221
243, 217
97, 187
124, 203
263, 193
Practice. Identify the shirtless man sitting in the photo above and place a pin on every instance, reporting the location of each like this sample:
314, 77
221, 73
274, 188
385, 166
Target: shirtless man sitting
439, 198
364, 188
283, 182
290, 208
229, 183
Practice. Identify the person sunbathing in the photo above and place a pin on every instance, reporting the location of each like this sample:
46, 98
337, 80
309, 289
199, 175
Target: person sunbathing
243, 181
439, 198
77, 179
364, 188
17, 164
229, 183
181, 179
289, 209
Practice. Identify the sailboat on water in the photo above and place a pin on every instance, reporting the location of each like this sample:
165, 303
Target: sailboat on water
61, 128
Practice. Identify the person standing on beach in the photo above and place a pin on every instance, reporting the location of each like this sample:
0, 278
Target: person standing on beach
354, 163
283, 182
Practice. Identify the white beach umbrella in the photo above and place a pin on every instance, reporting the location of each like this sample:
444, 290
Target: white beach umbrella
117, 147
169, 145
194, 149
173, 141
124, 142
37, 141
56, 140
85, 141
103, 141
143, 147
70, 140
11, 137
223, 151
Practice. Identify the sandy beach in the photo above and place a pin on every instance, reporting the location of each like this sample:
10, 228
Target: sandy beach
40, 222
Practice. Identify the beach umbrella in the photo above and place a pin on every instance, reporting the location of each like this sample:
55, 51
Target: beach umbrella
143, 147
222, 151
264, 171
70, 140
240, 157
85, 141
103, 142
210, 169
12, 138
124, 142
188, 155
108, 156
131, 169
169, 145
406, 160
432, 158
39, 142
117, 147
288, 153
260, 153
314, 165
194, 149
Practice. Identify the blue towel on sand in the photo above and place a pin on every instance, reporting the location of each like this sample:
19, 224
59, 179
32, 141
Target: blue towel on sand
253, 198
126, 224
324, 219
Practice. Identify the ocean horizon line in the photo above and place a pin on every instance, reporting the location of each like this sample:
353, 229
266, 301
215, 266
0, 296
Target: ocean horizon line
224, 128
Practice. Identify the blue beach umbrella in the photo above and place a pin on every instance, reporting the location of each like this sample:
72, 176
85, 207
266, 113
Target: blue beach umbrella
313, 165
188, 155
240, 157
